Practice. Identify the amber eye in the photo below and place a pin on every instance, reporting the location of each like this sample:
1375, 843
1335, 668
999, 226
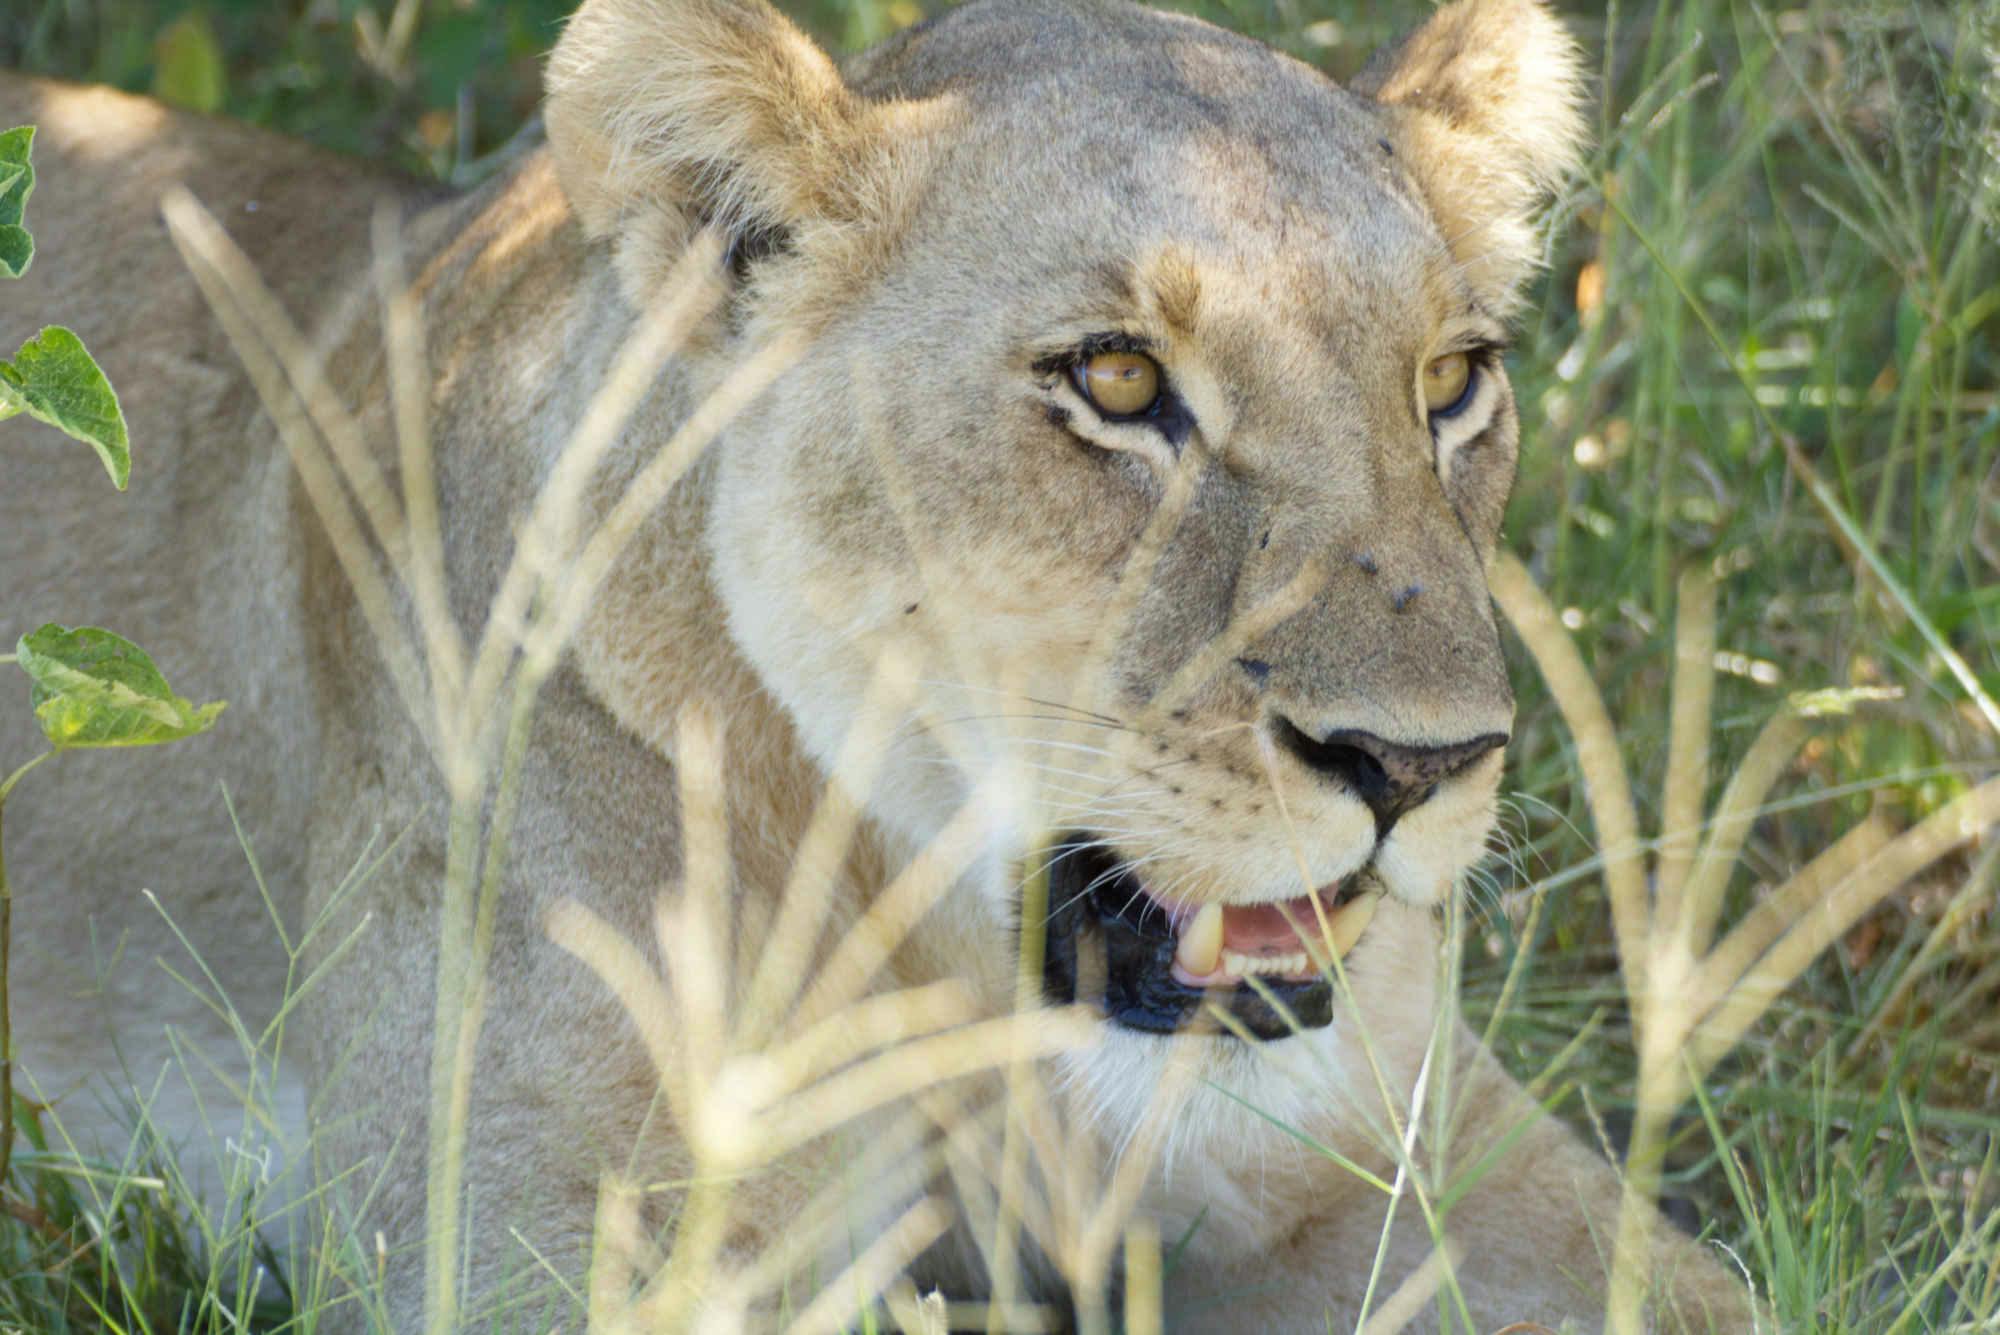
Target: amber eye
1120, 384
1445, 381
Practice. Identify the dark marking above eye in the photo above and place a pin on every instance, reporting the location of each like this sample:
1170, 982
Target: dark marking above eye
1258, 670
1113, 341
1090, 345
1264, 541
1405, 596
1366, 560
1386, 147
910, 609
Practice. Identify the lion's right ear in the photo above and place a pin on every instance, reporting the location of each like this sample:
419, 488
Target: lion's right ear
1484, 102
697, 112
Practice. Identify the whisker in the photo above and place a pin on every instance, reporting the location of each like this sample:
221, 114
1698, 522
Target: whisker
1089, 714
1033, 718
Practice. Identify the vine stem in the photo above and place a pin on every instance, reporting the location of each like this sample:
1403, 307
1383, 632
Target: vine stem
6, 1013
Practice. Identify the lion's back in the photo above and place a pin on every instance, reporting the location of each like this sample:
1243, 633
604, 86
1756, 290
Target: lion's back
194, 562
106, 267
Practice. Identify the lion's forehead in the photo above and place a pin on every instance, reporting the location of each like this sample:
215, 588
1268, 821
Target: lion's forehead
1156, 121
987, 53
1299, 169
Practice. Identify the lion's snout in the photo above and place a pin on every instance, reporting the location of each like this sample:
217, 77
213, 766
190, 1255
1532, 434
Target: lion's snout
1390, 778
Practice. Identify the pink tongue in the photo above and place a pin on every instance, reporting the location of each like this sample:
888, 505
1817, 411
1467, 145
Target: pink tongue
1251, 929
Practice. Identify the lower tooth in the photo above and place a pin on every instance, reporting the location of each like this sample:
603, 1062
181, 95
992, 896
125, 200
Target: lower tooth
1236, 965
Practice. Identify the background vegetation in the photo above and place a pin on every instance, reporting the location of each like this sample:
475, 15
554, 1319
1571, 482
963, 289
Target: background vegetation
1783, 265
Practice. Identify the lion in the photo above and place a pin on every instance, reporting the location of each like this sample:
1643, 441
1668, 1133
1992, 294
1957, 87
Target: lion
1182, 551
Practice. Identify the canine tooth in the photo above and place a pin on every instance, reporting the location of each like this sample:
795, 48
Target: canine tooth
1201, 943
1350, 920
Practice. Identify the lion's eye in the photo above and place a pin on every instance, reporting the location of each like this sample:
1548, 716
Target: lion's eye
1446, 381
1119, 384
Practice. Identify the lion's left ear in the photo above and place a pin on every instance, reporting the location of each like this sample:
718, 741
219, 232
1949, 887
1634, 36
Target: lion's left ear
1485, 105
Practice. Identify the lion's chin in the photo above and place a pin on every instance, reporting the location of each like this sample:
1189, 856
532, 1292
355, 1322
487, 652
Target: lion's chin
1264, 968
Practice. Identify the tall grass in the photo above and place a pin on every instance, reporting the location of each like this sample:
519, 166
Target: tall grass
1770, 352
1744, 911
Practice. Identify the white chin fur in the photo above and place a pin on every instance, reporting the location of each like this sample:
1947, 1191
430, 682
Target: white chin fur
1114, 1085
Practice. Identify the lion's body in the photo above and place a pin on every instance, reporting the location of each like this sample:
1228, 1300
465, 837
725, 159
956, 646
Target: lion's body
776, 575
224, 609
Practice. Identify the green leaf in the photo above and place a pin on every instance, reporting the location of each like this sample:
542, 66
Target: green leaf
17, 182
93, 688
17, 251
187, 64
54, 379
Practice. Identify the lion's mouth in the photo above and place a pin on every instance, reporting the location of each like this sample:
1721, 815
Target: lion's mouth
1150, 967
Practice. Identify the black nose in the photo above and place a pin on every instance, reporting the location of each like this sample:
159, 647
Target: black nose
1390, 777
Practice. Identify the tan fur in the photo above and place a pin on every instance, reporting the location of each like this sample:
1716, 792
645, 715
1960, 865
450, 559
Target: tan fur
968, 201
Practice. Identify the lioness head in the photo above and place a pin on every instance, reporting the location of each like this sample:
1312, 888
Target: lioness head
1153, 405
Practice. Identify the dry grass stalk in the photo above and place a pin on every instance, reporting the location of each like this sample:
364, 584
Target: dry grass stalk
1603, 770
1142, 1280
1416, 1293
257, 330
1692, 1004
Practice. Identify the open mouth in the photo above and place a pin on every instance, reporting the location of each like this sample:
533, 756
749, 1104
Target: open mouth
1150, 967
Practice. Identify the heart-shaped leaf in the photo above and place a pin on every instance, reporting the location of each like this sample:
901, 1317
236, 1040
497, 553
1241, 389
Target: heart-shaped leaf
17, 182
93, 688
54, 378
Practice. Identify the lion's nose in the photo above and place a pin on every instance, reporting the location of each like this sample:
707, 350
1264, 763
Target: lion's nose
1389, 777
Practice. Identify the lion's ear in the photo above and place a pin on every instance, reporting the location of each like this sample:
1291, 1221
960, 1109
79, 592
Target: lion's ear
1485, 102
695, 112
